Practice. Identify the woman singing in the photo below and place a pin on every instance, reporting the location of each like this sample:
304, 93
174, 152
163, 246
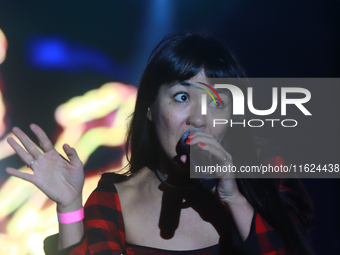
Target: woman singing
155, 207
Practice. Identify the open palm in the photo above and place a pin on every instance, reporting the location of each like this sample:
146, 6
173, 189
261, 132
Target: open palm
60, 179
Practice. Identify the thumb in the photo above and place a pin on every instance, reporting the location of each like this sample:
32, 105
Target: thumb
71, 154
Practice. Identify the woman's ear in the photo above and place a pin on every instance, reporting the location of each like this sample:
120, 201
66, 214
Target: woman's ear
149, 114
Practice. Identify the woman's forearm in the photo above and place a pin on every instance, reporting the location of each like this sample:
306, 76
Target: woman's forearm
70, 234
242, 213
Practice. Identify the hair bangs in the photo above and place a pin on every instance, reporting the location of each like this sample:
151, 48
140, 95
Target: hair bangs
182, 58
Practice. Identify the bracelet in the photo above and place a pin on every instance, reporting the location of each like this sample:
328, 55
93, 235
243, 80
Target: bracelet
71, 217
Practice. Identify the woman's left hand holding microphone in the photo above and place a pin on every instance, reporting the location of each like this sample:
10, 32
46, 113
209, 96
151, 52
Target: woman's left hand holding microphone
226, 189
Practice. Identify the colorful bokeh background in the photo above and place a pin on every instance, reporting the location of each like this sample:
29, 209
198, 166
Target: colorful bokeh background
73, 68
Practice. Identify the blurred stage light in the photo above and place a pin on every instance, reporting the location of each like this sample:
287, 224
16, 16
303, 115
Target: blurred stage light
3, 46
3, 49
50, 53
57, 53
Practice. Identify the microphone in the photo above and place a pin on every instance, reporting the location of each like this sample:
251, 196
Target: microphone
198, 157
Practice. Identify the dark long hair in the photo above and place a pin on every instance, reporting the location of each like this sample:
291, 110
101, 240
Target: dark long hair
179, 57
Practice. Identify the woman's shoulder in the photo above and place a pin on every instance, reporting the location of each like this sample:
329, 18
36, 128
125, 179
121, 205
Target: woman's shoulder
109, 178
109, 186
105, 195
128, 187
112, 180
134, 181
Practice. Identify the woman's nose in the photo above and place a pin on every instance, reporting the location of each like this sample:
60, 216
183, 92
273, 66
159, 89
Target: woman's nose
196, 119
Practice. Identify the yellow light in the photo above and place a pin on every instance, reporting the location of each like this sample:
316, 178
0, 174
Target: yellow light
3, 49
3, 46
93, 104
12, 245
24, 222
2, 115
33, 243
13, 193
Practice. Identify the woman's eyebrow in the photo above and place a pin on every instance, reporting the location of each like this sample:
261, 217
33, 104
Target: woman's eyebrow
188, 84
183, 83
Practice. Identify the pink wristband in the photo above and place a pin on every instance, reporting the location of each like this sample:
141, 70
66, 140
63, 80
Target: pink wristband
71, 217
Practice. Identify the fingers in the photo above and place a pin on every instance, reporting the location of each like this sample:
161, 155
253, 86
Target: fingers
28, 144
209, 143
203, 138
72, 155
21, 175
44, 142
27, 158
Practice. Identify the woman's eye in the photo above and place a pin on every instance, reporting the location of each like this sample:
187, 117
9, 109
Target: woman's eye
182, 97
217, 104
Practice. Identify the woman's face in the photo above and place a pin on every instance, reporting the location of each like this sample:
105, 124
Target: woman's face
178, 108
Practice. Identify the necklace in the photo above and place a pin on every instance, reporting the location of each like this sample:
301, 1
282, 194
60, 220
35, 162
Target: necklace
186, 185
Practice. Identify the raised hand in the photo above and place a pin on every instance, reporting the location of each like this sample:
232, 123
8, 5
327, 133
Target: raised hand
60, 179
